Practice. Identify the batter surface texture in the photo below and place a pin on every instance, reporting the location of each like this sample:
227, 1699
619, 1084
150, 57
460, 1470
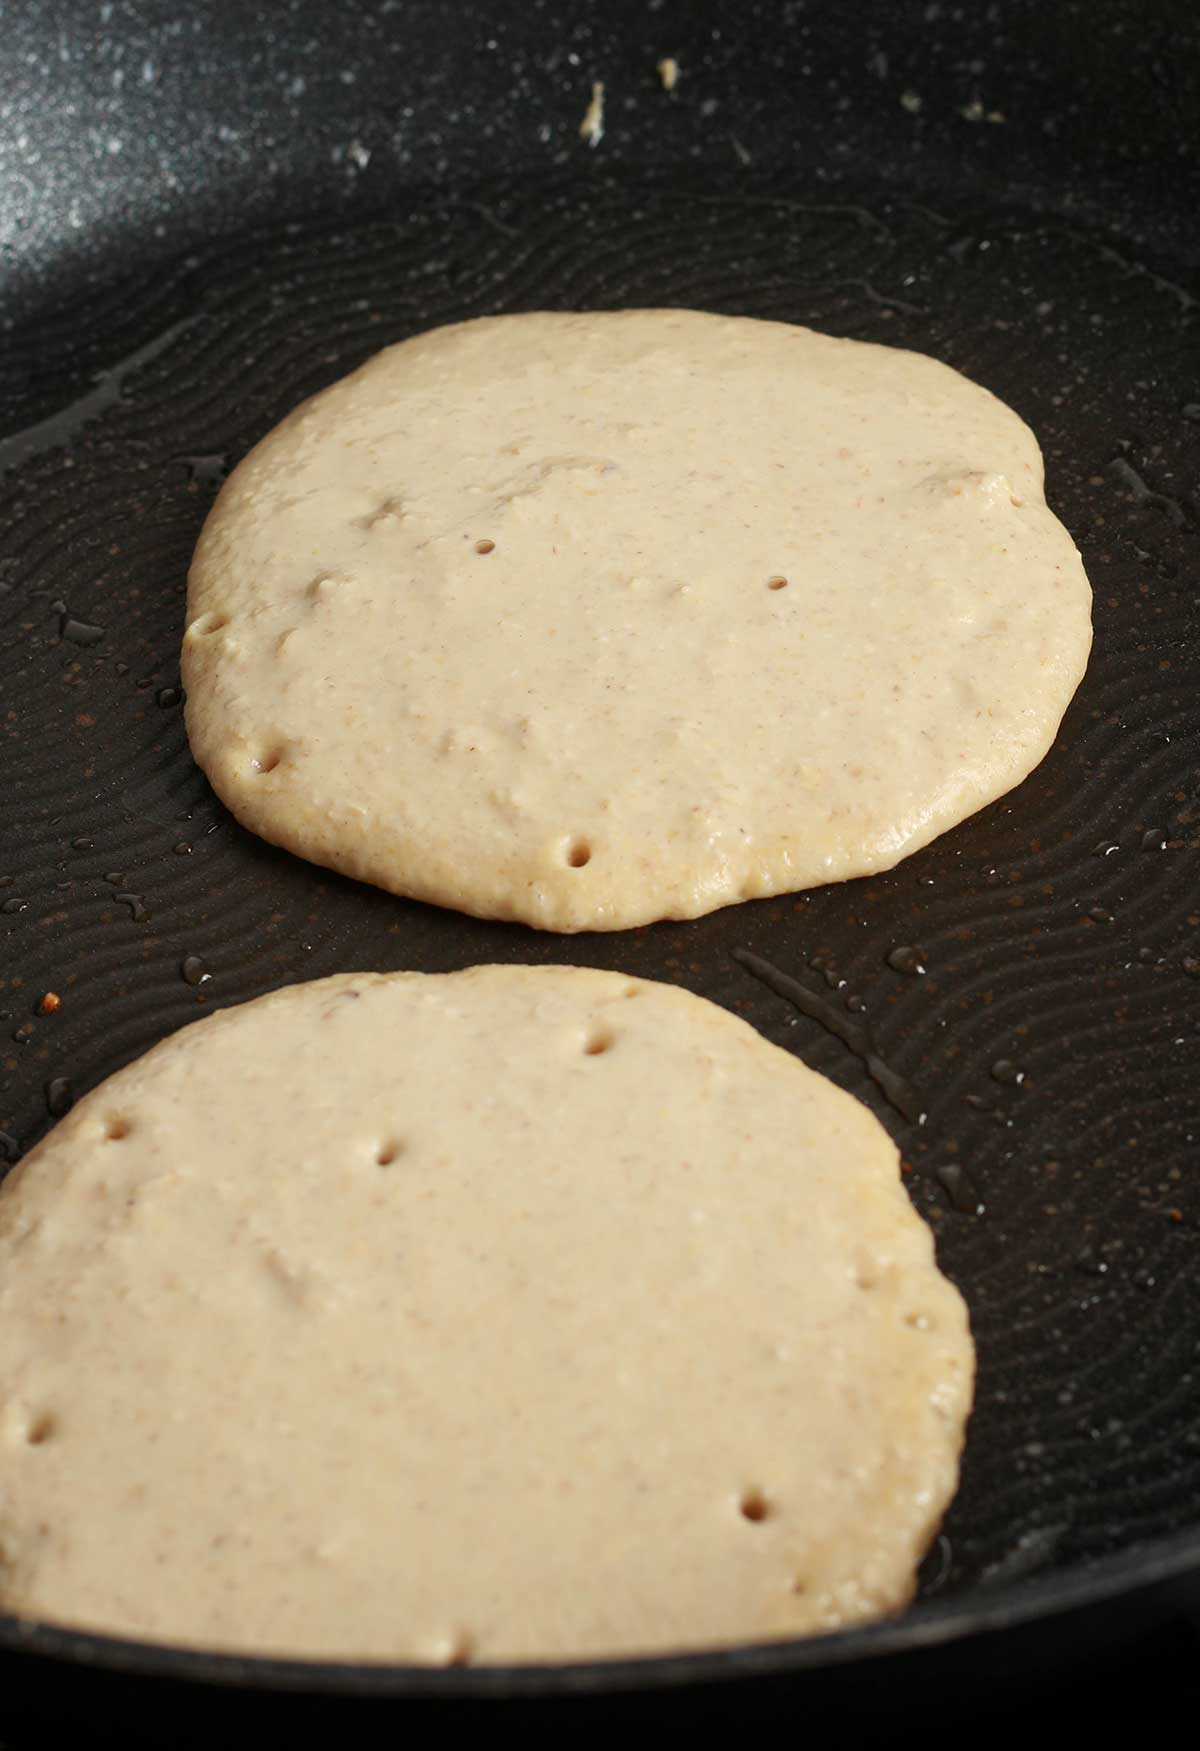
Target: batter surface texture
588, 620
511, 1314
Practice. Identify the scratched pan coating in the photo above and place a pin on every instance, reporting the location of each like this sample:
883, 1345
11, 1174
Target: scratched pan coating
1030, 983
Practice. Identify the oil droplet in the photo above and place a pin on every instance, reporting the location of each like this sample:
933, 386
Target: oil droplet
1154, 839
1105, 848
14, 903
115, 878
23, 1034
935, 1571
208, 470
1100, 915
823, 965
855, 1004
183, 849
985, 1106
906, 959
193, 971
80, 632
83, 843
60, 1097
1004, 1070
1191, 966
138, 911
956, 1182
1138, 491
169, 696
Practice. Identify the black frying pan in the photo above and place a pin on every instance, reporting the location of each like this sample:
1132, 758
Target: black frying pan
208, 215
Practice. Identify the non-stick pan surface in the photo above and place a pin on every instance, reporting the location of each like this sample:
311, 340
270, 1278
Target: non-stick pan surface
208, 217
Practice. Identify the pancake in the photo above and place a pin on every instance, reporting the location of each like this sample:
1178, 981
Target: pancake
590, 620
511, 1314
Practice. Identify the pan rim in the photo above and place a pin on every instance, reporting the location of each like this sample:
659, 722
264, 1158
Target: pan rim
933, 1623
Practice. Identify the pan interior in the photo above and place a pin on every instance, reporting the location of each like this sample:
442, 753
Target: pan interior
1034, 976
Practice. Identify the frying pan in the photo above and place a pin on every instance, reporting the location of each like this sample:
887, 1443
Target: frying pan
208, 214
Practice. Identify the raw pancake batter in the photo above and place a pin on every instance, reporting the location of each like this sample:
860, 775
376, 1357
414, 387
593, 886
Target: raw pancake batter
511, 1314
596, 619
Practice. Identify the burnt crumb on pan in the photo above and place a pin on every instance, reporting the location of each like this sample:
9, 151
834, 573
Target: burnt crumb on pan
591, 128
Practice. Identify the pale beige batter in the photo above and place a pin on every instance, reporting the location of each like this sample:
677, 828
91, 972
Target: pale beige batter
501, 1315
592, 620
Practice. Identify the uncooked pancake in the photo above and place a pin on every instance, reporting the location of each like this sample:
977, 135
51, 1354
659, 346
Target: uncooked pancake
511, 1314
596, 619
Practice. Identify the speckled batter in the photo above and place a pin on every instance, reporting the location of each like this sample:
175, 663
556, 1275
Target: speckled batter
508, 1314
592, 620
